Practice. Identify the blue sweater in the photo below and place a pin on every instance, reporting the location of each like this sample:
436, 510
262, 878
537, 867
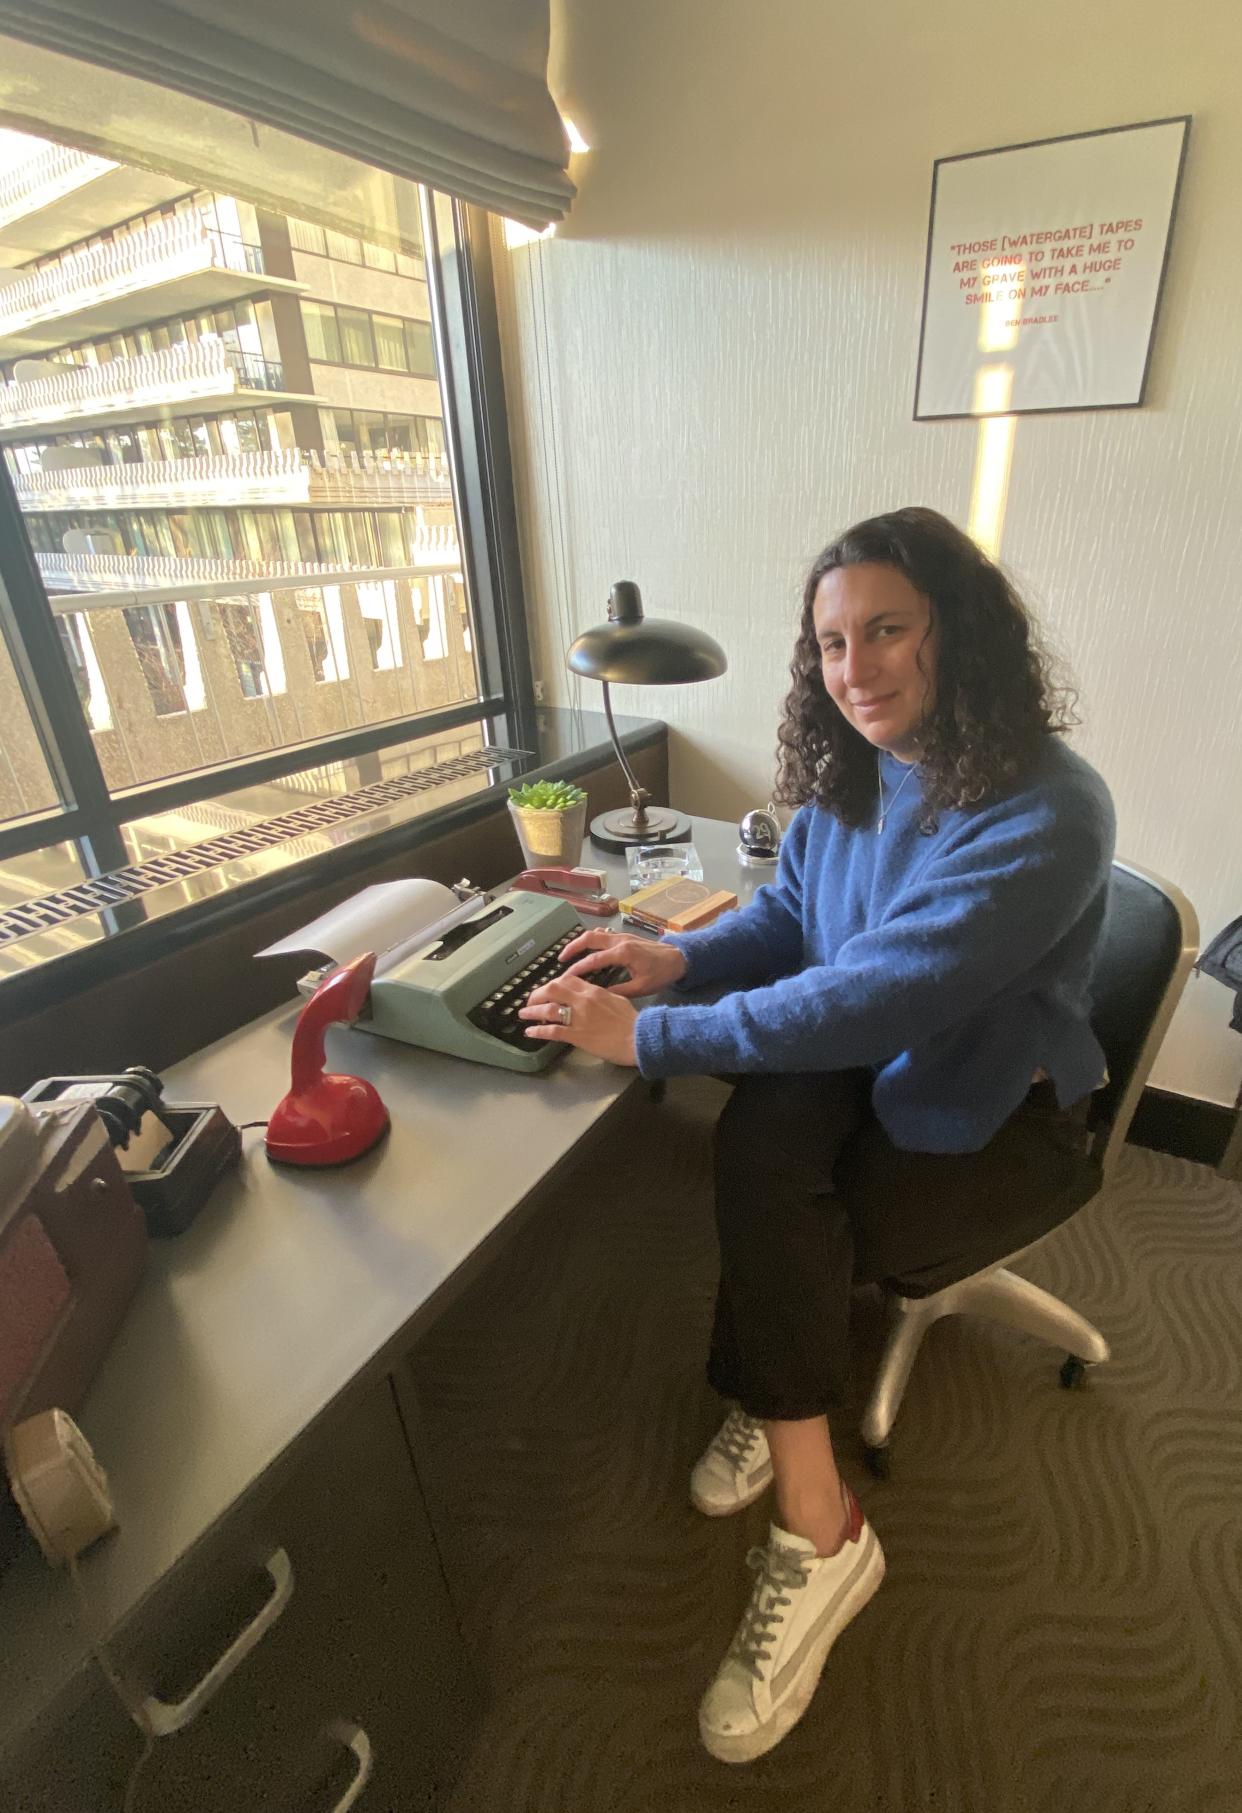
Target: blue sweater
954, 965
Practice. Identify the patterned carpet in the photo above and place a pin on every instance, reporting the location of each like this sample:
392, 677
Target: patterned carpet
1061, 1626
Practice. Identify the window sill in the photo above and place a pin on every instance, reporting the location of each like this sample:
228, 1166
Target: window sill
163, 923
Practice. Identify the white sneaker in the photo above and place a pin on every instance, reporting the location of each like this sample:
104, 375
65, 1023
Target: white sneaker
800, 1604
733, 1469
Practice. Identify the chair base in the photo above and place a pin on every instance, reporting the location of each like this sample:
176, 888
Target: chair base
997, 1294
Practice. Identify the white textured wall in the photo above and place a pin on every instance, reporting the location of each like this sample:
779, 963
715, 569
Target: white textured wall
711, 369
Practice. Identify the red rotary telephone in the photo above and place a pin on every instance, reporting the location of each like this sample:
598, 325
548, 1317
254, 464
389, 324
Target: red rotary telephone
326, 1119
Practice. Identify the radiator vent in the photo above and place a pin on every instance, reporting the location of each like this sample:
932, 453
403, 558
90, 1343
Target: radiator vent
144, 877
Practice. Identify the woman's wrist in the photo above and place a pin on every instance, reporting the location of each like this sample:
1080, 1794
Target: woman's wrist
678, 969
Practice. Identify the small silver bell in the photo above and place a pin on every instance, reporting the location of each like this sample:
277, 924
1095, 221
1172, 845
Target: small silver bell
760, 839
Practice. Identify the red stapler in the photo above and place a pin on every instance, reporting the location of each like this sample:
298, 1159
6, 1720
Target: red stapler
583, 888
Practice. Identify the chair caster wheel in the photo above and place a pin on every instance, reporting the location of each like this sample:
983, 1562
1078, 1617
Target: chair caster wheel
879, 1461
1073, 1372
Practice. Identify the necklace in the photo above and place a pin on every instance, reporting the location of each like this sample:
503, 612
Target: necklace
884, 810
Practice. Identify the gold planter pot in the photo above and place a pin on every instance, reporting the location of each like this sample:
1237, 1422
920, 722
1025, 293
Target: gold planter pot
550, 840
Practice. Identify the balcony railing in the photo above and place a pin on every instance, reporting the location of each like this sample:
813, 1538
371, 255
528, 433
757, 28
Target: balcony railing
291, 476
435, 550
183, 373
53, 171
155, 254
188, 683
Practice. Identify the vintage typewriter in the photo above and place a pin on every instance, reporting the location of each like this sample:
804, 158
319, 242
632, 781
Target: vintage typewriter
460, 991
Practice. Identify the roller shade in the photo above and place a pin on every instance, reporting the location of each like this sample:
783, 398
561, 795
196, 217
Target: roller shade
452, 93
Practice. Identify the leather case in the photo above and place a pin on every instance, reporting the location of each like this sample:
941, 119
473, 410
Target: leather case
73, 1243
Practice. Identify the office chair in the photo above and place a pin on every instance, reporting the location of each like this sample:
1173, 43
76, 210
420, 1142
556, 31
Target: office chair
1149, 943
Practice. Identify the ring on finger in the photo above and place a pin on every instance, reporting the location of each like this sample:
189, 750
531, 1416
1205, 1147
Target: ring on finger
565, 1014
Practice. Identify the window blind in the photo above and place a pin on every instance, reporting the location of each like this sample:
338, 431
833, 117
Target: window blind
452, 93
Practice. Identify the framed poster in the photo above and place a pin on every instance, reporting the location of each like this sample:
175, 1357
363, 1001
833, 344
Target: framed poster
1045, 264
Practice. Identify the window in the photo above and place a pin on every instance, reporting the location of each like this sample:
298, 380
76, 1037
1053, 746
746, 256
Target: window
375, 431
246, 607
244, 623
357, 346
388, 529
75, 637
156, 636
418, 348
323, 340
305, 236
342, 246
324, 628
380, 617
353, 336
26, 785
179, 438
368, 428
390, 346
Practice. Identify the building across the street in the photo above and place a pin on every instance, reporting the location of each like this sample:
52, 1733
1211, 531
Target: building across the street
224, 428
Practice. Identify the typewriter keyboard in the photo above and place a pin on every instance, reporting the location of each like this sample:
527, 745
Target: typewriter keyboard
498, 1015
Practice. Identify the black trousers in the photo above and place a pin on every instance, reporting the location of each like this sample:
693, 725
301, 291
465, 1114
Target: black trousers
812, 1197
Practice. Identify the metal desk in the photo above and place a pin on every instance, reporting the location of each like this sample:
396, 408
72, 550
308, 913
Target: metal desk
291, 1288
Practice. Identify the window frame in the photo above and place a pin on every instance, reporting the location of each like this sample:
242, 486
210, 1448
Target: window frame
465, 336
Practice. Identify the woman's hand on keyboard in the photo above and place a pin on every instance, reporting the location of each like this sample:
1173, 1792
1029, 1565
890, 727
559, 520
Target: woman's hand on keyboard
652, 965
600, 1021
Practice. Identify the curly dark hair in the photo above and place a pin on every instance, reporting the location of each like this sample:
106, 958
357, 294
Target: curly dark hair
996, 696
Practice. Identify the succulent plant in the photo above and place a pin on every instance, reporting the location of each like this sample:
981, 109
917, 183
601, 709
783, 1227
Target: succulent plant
547, 796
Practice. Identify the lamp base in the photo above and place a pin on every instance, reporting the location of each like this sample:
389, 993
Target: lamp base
616, 831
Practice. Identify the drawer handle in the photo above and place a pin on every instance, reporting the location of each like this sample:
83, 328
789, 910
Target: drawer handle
354, 1738
167, 1716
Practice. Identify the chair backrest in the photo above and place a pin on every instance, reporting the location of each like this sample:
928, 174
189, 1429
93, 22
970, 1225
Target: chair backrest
1147, 949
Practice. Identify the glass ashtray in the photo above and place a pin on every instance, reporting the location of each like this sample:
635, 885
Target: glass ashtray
662, 862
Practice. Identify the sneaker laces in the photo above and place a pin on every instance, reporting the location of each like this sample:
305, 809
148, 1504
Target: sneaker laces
737, 1437
780, 1572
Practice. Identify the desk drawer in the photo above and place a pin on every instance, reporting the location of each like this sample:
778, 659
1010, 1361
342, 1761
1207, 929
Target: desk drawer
365, 1644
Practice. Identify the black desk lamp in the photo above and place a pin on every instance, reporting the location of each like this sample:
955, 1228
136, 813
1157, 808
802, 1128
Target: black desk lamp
633, 650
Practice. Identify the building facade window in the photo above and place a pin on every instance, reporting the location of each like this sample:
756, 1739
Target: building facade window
323, 338
379, 431
357, 340
242, 632
156, 635
390, 347
339, 335
305, 236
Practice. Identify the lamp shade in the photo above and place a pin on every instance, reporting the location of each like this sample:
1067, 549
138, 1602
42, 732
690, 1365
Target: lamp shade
633, 650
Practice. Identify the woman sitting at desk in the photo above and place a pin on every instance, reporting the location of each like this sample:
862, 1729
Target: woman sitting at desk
909, 1037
